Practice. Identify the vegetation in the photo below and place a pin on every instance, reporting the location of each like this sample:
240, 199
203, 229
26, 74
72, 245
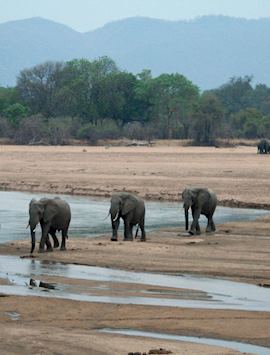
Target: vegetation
54, 102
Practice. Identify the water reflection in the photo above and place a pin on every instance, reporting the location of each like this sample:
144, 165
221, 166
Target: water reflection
222, 294
246, 348
89, 215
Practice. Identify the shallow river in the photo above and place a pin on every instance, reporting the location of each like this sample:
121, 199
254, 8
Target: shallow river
89, 218
89, 215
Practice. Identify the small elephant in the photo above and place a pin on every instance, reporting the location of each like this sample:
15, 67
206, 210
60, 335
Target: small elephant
263, 146
131, 209
53, 214
201, 201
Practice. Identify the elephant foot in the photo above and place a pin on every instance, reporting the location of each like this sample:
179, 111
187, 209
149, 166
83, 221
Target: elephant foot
63, 248
143, 239
113, 239
128, 239
56, 245
49, 250
41, 251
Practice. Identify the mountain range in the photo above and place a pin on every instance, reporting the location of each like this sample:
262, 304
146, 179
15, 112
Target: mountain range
207, 50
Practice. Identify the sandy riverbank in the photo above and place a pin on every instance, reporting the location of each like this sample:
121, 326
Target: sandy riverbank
238, 175
238, 251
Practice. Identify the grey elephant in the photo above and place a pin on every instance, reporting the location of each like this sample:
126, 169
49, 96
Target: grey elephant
53, 214
201, 201
131, 209
263, 146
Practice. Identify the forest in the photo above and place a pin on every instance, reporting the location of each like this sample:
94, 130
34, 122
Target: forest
56, 102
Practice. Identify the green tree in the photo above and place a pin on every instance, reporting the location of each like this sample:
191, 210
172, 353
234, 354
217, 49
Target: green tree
207, 119
114, 95
38, 87
172, 99
79, 87
15, 113
246, 122
235, 95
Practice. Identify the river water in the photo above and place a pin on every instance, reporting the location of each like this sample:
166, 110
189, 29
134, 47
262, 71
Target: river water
89, 219
89, 215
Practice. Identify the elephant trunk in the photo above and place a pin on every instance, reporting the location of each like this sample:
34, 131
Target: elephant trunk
114, 213
33, 240
186, 217
33, 235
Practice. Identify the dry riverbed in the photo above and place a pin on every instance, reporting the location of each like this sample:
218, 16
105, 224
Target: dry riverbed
237, 251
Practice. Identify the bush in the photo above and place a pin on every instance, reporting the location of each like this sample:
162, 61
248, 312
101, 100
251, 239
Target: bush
104, 129
59, 130
33, 130
5, 128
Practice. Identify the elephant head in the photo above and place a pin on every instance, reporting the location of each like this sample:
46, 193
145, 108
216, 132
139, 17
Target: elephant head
121, 204
188, 197
36, 213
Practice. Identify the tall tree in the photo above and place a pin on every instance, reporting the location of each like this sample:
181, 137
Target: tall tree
236, 94
207, 118
173, 100
38, 86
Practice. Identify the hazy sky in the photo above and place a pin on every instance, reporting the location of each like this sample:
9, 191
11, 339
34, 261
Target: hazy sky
85, 15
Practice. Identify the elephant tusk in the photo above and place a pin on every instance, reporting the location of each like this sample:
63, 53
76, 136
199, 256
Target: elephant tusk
116, 217
27, 225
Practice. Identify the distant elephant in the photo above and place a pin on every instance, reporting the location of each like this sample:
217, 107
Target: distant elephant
263, 146
131, 209
53, 214
201, 201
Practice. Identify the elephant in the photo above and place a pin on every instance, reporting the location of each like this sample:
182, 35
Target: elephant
263, 146
131, 209
53, 214
201, 201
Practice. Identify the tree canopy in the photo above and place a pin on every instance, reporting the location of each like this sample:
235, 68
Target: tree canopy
85, 99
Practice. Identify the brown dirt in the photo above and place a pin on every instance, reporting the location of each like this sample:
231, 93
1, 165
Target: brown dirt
154, 172
238, 251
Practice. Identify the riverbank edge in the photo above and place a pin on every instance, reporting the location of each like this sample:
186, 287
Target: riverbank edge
87, 192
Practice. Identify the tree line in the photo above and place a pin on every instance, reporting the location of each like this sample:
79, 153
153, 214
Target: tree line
81, 99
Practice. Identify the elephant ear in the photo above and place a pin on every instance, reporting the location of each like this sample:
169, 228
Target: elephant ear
50, 210
128, 204
204, 194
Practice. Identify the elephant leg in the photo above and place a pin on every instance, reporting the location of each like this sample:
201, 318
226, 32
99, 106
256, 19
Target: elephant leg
143, 237
55, 239
212, 224
208, 228
64, 237
48, 244
131, 230
195, 223
198, 229
127, 230
115, 226
44, 237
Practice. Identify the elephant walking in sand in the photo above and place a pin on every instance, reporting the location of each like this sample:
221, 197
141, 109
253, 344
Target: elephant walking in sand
201, 201
53, 214
131, 209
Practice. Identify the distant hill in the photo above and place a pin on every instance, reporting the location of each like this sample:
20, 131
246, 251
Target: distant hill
208, 50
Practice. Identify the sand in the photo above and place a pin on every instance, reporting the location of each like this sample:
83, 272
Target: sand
237, 251
154, 172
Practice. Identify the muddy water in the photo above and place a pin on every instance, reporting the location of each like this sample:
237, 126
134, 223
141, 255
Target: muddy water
244, 348
220, 294
88, 215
